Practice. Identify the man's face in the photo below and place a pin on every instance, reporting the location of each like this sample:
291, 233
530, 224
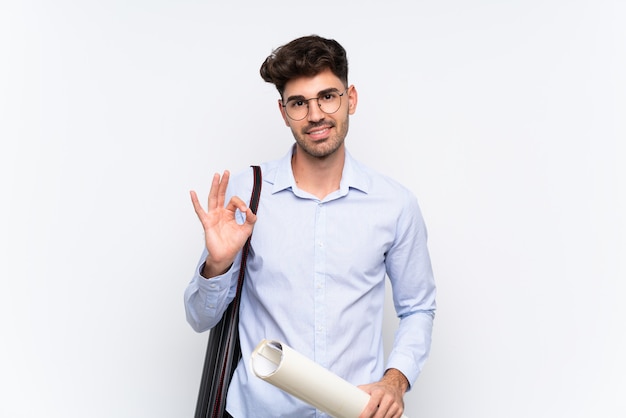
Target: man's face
319, 134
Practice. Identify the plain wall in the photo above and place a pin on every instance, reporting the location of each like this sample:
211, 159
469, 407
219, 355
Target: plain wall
506, 118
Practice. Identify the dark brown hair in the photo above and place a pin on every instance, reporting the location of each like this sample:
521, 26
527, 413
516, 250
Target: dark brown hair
306, 56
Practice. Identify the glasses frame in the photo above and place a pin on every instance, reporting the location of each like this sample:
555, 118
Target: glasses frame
308, 108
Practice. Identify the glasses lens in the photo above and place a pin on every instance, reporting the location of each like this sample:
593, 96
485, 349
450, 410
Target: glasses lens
298, 109
329, 102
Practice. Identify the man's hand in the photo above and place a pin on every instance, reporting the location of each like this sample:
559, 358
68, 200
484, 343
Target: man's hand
386, 396
224, 237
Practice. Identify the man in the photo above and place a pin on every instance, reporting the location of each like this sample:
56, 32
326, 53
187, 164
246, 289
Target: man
327, 231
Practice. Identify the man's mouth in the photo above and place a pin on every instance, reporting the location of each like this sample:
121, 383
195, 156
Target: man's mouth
319, 131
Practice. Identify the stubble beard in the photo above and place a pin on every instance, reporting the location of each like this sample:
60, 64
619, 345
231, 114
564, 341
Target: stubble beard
325, 148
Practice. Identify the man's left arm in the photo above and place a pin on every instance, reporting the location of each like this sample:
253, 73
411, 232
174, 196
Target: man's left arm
413, 287
386, 395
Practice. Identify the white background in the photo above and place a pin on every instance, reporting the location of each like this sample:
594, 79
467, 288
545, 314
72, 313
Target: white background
506, 118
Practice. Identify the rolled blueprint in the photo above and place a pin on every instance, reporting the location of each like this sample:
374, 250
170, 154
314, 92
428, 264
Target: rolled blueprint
285, 368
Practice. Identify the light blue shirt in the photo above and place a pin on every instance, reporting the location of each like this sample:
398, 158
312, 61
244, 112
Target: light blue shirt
315, 281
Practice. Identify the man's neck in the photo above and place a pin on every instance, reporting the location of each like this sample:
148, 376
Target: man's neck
318, 176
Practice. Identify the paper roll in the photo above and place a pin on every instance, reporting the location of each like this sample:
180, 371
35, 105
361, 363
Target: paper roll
285, 368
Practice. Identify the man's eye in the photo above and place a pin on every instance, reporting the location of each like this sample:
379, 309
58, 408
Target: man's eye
297, 103
327, 97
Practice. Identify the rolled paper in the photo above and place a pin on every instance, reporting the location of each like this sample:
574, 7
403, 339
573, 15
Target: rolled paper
285, 368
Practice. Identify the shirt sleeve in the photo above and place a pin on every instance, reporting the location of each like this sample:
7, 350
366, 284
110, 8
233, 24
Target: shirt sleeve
207, 299
410, 272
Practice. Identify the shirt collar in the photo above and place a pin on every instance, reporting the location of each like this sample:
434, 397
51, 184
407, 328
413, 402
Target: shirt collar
352, 177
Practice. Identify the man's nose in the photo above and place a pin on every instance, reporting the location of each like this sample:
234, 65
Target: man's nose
315, 112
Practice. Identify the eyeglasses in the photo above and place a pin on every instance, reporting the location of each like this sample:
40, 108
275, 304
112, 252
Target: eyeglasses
329, 101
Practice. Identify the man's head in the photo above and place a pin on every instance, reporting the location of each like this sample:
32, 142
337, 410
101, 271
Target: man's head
311, 75
306, 56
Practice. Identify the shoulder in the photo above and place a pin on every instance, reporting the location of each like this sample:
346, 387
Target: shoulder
382, 185
242, 180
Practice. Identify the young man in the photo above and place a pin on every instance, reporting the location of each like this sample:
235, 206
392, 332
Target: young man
326, 233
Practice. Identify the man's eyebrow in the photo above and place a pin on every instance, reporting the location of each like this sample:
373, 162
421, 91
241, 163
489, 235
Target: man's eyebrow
328, 90
295, 97
320, 93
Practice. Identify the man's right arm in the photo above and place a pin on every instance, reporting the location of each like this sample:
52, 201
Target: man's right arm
207, 299
212, 287
211, 269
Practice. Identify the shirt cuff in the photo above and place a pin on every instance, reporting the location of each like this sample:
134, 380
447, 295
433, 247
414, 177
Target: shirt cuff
406, 365
215, 289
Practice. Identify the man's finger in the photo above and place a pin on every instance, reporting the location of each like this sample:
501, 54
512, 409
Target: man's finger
236, 203
250, 217
213, 192
196, 204
223, 185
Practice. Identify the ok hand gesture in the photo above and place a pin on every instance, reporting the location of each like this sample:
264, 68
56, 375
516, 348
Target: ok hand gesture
224, 237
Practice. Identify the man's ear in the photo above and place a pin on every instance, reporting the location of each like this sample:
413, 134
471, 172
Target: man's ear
353, 98
282, 112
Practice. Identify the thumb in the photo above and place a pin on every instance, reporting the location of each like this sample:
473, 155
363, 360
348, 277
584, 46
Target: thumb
250, 217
